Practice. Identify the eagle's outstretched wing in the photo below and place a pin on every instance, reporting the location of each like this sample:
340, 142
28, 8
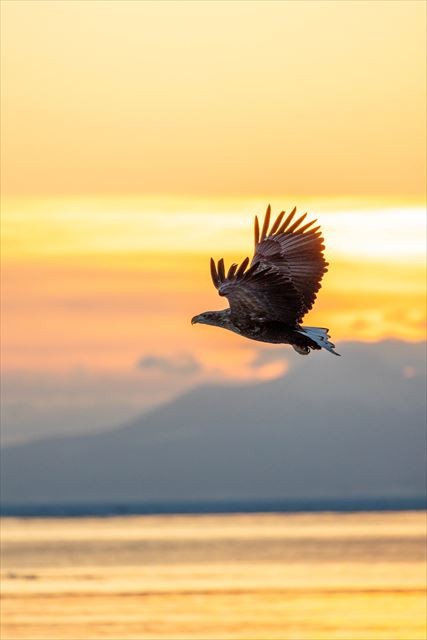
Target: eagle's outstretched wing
283, 278
293, 250
256, 294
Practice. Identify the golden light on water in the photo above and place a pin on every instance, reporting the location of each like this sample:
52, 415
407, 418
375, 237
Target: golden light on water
282, 576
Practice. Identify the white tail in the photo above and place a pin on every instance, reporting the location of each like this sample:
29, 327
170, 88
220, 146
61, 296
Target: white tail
320, 336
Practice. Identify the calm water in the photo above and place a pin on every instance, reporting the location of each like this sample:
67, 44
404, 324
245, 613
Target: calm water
264, 576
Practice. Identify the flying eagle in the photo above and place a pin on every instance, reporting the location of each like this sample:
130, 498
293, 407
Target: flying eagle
269, 298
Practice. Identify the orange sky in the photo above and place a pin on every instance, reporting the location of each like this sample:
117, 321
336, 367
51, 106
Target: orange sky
99, 285
214, 98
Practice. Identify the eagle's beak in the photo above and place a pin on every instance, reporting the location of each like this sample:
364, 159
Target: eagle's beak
194, 320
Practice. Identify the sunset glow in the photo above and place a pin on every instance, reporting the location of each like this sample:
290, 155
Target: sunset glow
90, 286
44, 228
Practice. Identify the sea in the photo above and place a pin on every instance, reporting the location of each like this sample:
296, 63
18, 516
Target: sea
257, 573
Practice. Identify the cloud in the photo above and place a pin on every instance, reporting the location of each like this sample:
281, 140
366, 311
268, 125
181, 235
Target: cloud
183, 364
268, 355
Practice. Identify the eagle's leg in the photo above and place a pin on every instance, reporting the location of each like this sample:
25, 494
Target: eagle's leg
304, 351
303, 344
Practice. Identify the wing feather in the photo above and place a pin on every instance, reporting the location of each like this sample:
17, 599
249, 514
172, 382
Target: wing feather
258, 294
256, 231
284, 275
266, 223
242, 268
221, 270
232, 270
287, 221
277, 223
306, 226
295, 251
296, 224
214, 274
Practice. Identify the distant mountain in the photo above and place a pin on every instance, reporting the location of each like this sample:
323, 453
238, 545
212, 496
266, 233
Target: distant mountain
332, 427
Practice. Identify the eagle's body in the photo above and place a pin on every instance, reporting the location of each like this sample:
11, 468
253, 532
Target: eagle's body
269, 299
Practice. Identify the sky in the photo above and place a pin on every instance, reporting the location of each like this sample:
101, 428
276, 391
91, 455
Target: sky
214, 98
140, 138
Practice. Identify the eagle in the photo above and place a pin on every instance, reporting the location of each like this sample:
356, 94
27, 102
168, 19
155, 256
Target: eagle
269, 297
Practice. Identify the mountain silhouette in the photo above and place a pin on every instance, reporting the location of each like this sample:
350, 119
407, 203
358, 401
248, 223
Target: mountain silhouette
332, 427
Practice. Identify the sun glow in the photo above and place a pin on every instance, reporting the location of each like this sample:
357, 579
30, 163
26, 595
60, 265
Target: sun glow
97, 227
94, 283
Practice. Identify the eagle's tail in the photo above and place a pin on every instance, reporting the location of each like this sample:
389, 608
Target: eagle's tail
320, 336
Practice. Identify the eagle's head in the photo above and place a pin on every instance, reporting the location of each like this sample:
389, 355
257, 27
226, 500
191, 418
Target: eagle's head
215, 318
